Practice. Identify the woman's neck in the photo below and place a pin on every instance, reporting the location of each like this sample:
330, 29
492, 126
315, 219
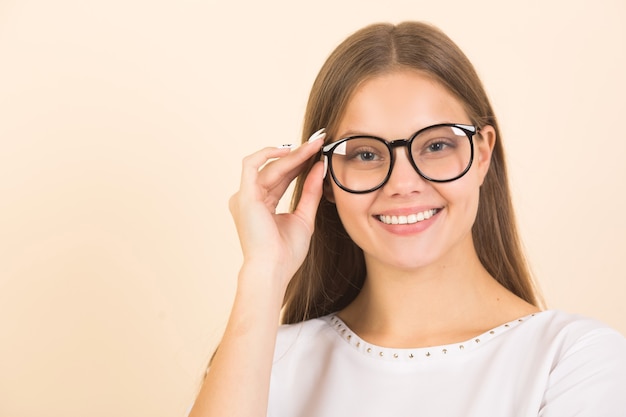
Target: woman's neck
445, 302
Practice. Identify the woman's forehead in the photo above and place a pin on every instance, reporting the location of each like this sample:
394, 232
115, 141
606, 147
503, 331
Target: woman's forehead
399, 103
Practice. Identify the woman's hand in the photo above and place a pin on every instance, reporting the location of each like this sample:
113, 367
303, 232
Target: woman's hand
277, 242
274, 246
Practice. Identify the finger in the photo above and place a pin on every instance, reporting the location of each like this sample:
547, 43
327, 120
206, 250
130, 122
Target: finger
311, 196
252, 163
284, 170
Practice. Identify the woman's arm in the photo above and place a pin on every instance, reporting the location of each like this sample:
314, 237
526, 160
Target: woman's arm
274, 247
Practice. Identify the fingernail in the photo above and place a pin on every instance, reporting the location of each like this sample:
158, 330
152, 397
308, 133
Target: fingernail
317, 135
286, 146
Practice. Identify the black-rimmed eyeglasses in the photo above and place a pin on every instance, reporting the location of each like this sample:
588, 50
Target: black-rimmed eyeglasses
439, 153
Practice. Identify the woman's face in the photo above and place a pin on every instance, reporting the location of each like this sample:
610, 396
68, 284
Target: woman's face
394, 106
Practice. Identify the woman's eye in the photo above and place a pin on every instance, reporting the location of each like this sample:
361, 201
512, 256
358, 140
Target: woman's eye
364, 156
437, 146
367, 156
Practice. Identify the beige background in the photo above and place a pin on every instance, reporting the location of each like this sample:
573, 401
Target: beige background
122, 124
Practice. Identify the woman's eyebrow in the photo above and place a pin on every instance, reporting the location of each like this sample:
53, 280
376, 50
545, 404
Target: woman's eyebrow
353, 132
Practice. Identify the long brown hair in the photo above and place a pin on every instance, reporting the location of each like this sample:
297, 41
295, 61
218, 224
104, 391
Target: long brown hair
334, 269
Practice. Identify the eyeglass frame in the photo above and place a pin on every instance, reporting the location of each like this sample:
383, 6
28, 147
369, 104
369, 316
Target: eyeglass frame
327, 152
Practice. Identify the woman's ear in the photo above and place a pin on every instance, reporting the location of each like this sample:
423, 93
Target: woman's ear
484, 143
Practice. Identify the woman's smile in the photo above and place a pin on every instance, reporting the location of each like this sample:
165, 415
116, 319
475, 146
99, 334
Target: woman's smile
408, 219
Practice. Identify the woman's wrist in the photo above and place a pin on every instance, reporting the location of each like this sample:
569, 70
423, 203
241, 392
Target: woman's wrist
261, 279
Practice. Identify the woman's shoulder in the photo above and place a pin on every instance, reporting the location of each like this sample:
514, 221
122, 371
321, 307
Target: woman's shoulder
570, 328
563, 333
587, 364
305, 335
306, 327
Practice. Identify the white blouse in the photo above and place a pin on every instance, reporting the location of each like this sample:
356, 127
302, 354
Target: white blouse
549, 364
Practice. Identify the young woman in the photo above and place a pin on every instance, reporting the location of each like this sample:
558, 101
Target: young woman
399, 273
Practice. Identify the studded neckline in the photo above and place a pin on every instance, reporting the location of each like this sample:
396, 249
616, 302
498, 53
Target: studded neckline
417, 354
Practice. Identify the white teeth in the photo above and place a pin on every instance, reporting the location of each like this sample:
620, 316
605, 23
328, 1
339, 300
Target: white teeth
410, 219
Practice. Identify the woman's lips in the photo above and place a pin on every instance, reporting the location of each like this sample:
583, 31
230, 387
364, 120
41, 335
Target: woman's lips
408, 219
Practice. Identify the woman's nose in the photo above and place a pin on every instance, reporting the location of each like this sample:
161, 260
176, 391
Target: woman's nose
404, 179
